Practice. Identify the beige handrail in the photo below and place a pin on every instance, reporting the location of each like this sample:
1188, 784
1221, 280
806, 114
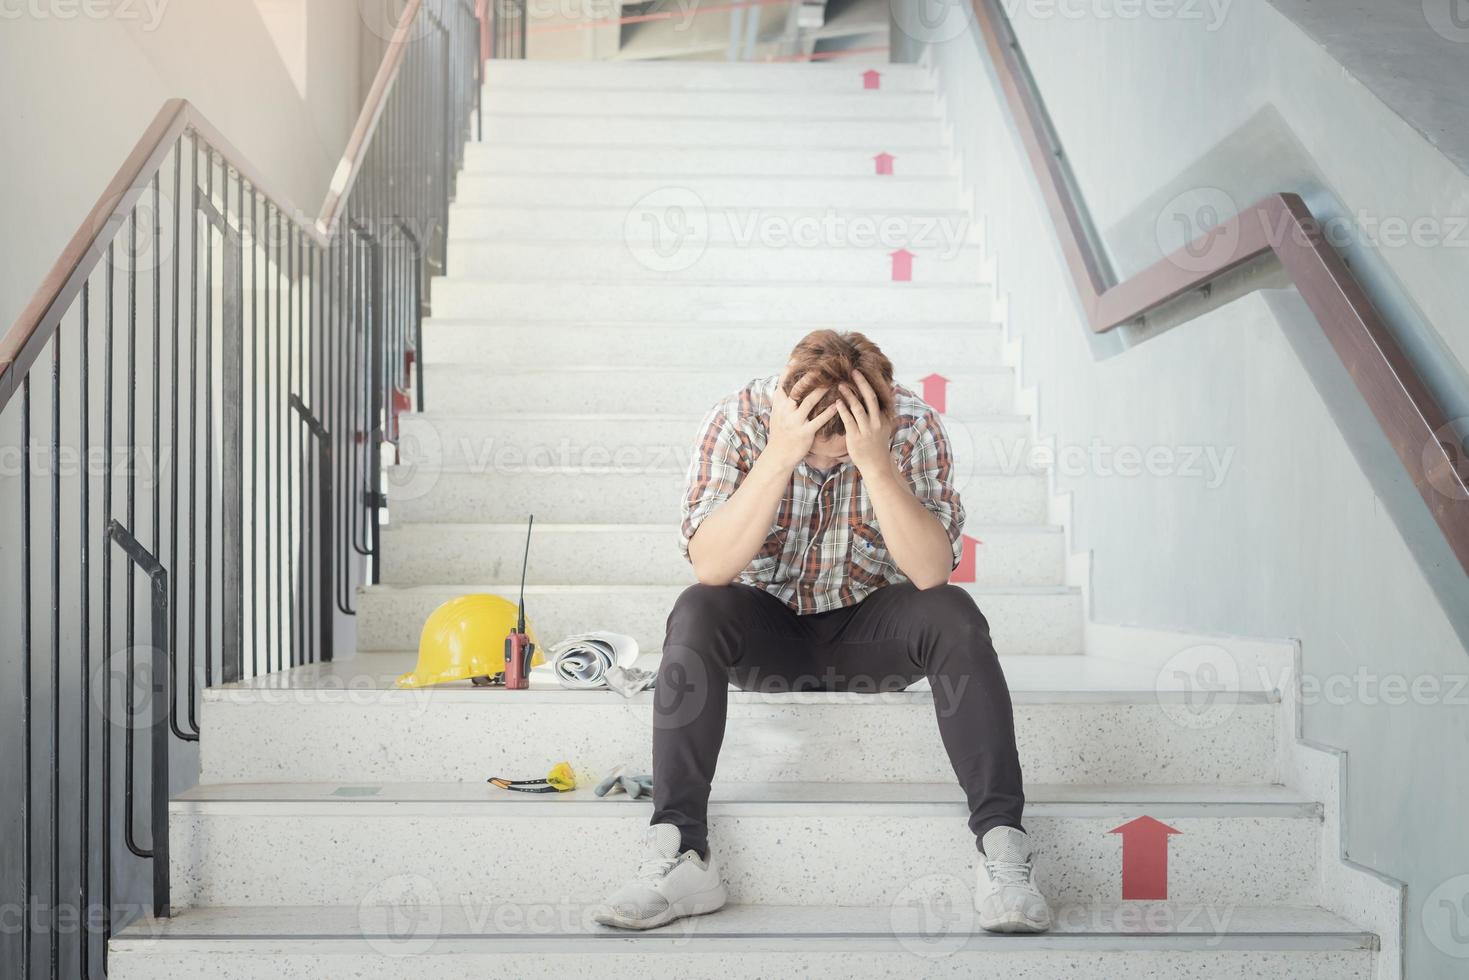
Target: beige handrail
1412, 419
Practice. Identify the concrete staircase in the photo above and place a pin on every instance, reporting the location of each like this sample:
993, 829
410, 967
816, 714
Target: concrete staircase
344, 829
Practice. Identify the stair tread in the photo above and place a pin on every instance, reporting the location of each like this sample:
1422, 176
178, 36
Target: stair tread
1094, 927
564, 282
432, 415
857, 97
1032, 679
615, 209
990, 473
657, 589
724, 371
821, 180
498, 113
668, 529
1163, 802
951, 326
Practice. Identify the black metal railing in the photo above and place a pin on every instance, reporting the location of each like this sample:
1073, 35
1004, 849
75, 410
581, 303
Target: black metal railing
507, 25
194, 415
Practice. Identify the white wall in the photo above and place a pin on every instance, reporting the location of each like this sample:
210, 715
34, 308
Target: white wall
80, 91
1311, 532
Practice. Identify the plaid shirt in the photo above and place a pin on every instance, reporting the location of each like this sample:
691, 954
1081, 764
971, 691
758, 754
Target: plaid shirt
825, 549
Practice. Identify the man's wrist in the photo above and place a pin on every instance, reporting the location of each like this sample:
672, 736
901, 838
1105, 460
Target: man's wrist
772, 467
884, 478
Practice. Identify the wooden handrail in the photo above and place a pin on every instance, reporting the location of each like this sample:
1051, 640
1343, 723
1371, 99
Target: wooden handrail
1281, 224
87, 245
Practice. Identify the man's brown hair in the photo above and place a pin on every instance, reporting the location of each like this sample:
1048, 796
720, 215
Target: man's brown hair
826, 359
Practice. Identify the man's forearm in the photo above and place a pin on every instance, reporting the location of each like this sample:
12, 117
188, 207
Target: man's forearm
734, 531
914, 537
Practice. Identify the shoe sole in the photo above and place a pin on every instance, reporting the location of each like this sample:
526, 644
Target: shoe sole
701, 903
1012, 926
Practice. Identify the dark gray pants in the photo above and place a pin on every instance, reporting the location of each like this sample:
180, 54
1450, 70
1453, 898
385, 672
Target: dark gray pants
718, 635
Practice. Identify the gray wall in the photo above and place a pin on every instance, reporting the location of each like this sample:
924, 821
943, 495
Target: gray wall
1311, 532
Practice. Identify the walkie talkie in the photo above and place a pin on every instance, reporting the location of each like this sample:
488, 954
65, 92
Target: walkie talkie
518, 648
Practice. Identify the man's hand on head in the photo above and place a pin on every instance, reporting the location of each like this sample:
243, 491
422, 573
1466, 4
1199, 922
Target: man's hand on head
792, 428
869, 431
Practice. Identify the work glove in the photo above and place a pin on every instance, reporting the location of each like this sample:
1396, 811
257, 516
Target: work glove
635, 785
628, 681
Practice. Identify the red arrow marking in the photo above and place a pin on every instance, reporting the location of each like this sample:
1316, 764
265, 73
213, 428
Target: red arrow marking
884, 164
871, 78
902, 265
1144, 859
936, 392
965, 570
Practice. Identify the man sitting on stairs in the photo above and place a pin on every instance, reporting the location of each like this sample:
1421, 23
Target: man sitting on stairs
822, 523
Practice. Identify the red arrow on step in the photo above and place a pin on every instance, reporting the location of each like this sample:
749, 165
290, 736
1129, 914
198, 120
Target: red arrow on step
936, 392
884, 164
1145, 859
968, 560
902, 265
871, 78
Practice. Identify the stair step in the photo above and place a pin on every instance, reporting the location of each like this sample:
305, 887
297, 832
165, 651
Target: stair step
300, 844
852, 103
632, 261
642, 554
409, 937
461, 389
746, 225
705, 76
677, 158
657, 441
628, 129
1023, 621
808, 304
483, 341
1078, 720
650, 494
720, 190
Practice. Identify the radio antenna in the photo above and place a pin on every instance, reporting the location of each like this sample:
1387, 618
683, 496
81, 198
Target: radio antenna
524, 563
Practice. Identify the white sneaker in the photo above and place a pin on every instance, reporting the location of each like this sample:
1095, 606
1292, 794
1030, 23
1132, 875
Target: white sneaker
1006, 897
669, 885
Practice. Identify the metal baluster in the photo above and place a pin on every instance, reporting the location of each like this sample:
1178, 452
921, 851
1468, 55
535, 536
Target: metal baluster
173, 442
254, 436
193, 427
84, 784
293, 277
282, 284
232, 442
208, 423
129, 505
25, 664
342, 409
55, 463
130, 509
267, 393
106, 824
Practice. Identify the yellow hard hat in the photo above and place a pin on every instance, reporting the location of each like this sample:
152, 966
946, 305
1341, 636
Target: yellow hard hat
464, 639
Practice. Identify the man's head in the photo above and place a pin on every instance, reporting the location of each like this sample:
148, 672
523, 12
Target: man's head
828, 359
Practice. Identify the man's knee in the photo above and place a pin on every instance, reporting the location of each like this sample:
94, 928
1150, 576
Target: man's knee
950, 606
953, 619
700, 628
